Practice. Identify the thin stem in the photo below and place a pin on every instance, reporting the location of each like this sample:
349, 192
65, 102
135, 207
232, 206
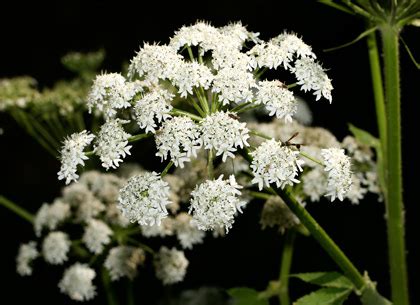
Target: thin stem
130, 294
141, 245
286, 263
305, 155
16, 209
234, 109
249, 108
323, 239
167, 168
259, 195
109, 291
394, 199
259, 134
185, 113
291, 86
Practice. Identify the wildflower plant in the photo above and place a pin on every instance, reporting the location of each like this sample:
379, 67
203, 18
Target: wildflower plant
196, 97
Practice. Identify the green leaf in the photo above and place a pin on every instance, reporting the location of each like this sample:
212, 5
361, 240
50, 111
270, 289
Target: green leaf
325, 296
364, 137
371, 297
325, 279
246, 296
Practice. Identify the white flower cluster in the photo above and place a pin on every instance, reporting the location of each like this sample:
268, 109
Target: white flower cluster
215, 203
275, 163
109, 93
122, 261
224, 134
276, 213
97, 235
187, 234
170, 265
192, 74
56, 247
338, 166
77, 282
50, 216
144, 199
180, 138
72, 155
154, 107
278, 100
26, 255
111, 143
311, 76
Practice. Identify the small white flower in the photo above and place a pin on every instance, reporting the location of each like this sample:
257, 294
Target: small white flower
165, 228
238, 33
97, 235
293, 45
170, 265
275, 163
122, 261
154, 62
338, 165
144, 199
271, 55
278, 100
180, 138
234, 85
214, 204
357, 191
187, 234
311, 76
109, 93
111, 143
55, 248
50, 216
224, 134
77, 282
26, 255
72, 155
153, 107
192, 75
315, 183
224, 56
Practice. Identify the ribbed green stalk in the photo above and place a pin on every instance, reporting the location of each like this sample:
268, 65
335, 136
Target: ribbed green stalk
16, 209
286, 263
394, 199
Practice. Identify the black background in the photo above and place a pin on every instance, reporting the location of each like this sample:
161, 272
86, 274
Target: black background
35, 36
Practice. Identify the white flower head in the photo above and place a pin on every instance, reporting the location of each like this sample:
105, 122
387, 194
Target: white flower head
224, 56
72, 155
122, 261
154, 62
111, 143
338, 166
357, 190
234, 85
192, 75
97, 235
109, 93
224, 134
278, 100
312, 77
26, 255
238, 33
314, 183
55, 248
144, 199
215, 203
275, 163
154, 107
77, 282
165, 228
271, 55
187, 234
50, 216
170, 265
276, 213
179, 138
293, 45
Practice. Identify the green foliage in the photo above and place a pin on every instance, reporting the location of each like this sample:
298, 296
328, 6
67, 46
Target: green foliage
325, 296
371, 297
325, 279
246, 296
364, 137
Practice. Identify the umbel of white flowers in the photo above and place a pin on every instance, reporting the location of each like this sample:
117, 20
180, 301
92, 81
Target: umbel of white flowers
189, 94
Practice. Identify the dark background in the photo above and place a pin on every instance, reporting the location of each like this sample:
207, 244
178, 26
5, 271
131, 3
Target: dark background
35, 36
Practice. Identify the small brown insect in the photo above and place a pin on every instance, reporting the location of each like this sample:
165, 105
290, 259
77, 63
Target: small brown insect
233, 116
297, 145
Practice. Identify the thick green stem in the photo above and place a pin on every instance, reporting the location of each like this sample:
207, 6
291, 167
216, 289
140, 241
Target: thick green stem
109, 291
186, 113
286, 263
394, 199
323, 239
16, 209
378, 91
166, 169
